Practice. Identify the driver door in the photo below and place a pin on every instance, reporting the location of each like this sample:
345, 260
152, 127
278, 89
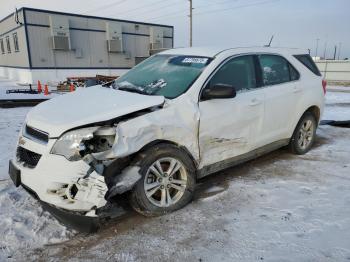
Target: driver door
231, 127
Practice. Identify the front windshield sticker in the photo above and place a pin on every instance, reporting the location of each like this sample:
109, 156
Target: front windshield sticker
195, 60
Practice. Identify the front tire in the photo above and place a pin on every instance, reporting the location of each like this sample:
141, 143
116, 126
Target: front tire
304, 134
167, 183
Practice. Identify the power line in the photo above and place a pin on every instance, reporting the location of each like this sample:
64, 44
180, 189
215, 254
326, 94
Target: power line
141, 7
214, 11
159, 8
237, 7
183, 10
106, 6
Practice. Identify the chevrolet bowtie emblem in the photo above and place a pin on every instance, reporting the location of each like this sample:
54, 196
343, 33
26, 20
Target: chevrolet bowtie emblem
21, 141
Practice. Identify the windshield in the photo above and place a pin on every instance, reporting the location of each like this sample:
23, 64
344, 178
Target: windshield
166, 75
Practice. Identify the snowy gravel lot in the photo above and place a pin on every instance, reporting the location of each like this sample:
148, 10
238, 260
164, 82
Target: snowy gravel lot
280, 207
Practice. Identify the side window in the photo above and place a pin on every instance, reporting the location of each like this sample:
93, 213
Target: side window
307, 61
239, 72
8, 44
15, 42
2, 46
294, 74
276, 70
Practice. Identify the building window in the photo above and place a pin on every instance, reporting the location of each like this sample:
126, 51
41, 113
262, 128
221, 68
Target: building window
15, 42
2, 46
8, 45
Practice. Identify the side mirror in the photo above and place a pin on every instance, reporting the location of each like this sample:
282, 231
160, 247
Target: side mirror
218, 91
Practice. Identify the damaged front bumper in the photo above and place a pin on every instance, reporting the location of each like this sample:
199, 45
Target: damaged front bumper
80, 205
64, 188
61, 183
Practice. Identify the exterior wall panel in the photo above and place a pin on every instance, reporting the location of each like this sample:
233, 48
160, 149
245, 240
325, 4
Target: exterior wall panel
39, 43
8, 27
88, 35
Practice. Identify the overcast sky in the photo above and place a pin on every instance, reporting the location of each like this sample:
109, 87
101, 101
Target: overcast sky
295, 23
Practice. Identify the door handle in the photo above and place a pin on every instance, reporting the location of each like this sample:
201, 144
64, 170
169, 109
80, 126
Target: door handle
255, 102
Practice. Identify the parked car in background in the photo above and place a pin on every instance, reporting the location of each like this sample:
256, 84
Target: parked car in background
176, 117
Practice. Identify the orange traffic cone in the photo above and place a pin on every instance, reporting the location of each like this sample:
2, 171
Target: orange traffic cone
39, 87
46, 91
71, 87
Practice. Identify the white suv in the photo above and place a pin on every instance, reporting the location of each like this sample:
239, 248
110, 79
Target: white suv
176, 117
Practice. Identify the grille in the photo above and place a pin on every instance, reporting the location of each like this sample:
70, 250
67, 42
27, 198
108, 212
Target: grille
37, 134
27, 157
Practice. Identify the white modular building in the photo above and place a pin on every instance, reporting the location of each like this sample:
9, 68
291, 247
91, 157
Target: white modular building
46, 45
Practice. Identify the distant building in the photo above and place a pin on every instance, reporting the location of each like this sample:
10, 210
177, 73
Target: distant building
49, 46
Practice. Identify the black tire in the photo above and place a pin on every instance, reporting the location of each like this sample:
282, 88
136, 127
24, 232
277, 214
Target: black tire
138, 199
294, 144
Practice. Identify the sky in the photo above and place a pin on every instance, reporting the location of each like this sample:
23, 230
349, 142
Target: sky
294, 23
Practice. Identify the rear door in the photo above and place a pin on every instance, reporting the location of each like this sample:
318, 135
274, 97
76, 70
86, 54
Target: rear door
229, 127
282, 91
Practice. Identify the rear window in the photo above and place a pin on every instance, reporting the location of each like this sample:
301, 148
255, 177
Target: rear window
307, 61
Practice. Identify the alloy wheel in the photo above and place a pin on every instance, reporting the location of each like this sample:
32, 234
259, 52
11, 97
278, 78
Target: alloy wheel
165, 182
306, 134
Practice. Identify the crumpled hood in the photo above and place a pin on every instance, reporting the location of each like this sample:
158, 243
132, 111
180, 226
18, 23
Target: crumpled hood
82, 107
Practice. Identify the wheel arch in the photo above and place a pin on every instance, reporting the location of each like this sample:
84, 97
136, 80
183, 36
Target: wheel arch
315, 110
168, 142
116, 167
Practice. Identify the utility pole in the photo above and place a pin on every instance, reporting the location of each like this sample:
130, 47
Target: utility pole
191, 21
339, 50
335, 52
316, 47
325, 51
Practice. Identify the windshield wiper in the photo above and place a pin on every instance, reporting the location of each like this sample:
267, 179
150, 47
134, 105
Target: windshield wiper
132, 90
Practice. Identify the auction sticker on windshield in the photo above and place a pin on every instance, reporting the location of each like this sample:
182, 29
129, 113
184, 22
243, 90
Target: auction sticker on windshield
195, 60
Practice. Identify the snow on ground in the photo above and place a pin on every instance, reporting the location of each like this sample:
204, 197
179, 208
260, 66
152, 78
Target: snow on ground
23, 224
280, 207
338, 104
11, 121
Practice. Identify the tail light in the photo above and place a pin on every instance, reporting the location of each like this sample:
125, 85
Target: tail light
324, 86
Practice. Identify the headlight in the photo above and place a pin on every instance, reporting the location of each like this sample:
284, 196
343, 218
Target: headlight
71, 143
75, 144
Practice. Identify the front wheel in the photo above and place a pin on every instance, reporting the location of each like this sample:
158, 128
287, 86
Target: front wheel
304, 134
167, 183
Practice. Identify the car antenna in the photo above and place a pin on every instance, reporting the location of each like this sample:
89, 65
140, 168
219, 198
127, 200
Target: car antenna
270, 41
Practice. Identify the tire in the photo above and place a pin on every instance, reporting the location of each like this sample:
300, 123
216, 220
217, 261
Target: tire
167, 182
304, 134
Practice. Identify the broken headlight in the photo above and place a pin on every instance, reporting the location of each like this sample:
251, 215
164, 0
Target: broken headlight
73, 145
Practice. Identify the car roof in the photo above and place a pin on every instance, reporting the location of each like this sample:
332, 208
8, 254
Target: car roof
212, 51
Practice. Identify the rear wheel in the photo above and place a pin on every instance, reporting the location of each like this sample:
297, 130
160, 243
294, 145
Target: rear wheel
167, 182
304, 134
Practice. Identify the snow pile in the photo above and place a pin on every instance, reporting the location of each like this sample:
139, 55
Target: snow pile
23, 223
